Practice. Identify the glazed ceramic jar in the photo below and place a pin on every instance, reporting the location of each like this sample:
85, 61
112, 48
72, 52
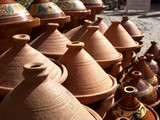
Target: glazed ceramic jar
39, 97
14, 18
51, 43
86, 79
129, 106
102, 50
122, 41
12, 61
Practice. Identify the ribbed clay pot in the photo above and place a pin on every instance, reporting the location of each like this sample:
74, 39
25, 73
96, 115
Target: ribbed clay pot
40, 98
86, 79
51, 43
99, 22
75, 9
122, 41
14, 18
12, 61
146, 92
48, 12
96, 7
129, 106
101, 49
76, 33
147, 74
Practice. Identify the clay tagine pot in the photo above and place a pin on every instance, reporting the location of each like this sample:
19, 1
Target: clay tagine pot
101, 49
48, 12
75, 9
146, 92
147, 73
99, 22
12, 61
14, 18
129, 106
122, 41
86, 79
96, 7
76, 33
51, 43
39, 97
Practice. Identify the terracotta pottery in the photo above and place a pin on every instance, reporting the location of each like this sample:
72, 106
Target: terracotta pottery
96, 7
39, 97
14, 18
147, 74
129, 106
12, 61
51, 43
146, 92
100, 48
75, 9
102, 26
76, 33
86, 79
122, 118
122, 41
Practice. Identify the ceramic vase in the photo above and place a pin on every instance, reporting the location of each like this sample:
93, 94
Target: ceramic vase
12, 61
51, 43
39, 97
14, 18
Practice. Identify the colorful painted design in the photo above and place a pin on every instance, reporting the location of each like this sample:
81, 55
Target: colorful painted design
71, 5
44, 9
92, 1
12, 10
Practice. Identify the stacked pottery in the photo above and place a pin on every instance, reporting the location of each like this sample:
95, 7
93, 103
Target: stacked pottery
76, 33
86, 79
129, 106
122, 41
48, 12
40, 98
51, 43
102, 50
14, 18
12, 61
102, 26
96, 7
75, 9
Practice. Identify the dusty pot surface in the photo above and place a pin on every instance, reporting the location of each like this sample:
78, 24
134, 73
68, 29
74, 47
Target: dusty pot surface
83, 81
100, 48
129, 106
12, 61
39, 97
51, 43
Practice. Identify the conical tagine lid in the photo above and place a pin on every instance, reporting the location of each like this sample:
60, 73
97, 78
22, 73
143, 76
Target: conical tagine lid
39, 97
86, 79
13, 13
51, 43
12, 61
100, 48
76, 33
120, 38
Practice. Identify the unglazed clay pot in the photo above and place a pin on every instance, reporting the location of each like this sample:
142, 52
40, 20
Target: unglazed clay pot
76, 33
39, 97
122, 41
86, 79
51, 43
102, 26
146, 92
12, 61
129, 106
75, 9
96, 7
14, 18
100, 48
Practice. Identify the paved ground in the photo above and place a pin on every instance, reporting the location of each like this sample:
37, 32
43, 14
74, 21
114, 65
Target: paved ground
149, 24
